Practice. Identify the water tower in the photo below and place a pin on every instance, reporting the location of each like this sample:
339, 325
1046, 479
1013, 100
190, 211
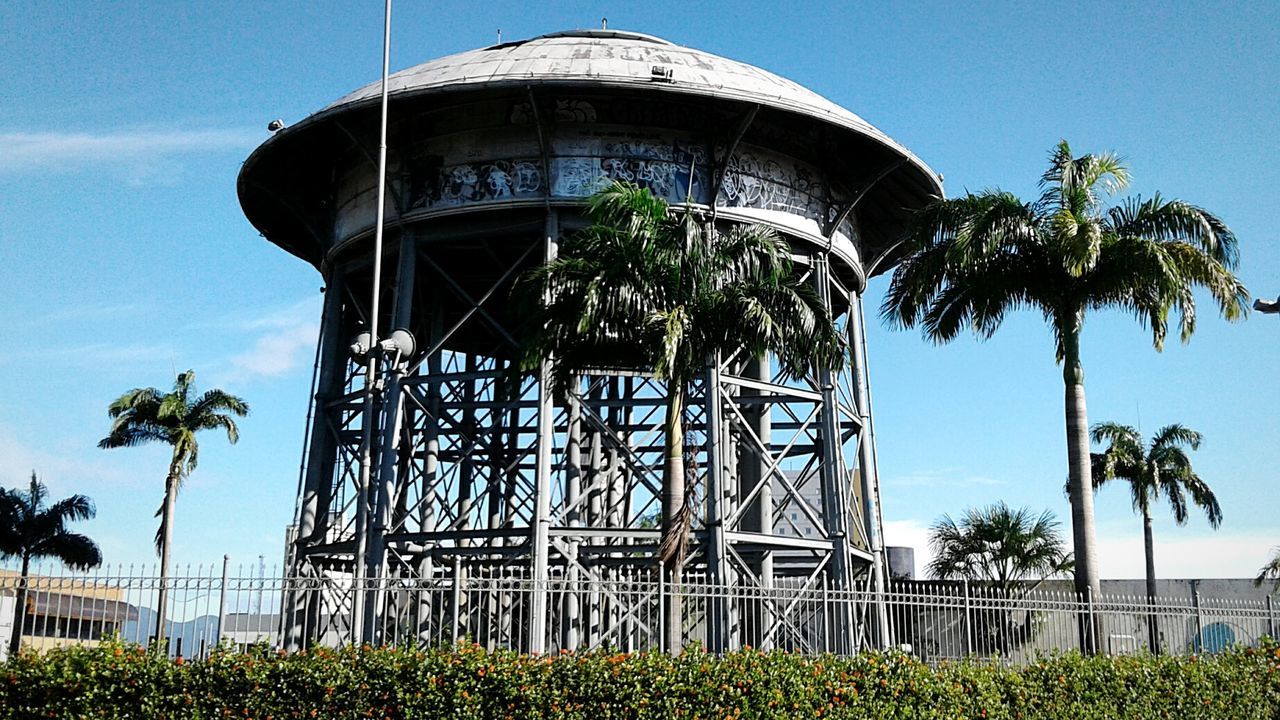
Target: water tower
481, 473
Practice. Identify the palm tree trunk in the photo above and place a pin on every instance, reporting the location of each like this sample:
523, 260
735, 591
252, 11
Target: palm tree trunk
673, 499
1152, 629
1080, 480
19, 608
166, 541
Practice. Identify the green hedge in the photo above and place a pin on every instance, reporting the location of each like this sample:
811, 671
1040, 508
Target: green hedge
117, 680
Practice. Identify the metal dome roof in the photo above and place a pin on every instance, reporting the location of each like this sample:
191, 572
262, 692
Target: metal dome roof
285, 185
613, 58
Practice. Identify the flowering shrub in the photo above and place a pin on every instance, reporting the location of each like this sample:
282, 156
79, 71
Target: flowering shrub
116, 680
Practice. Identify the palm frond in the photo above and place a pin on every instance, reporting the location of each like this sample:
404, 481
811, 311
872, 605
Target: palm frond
135, 399
1204, 499
1175, 435
216, 402
1176, 221
1113, 432
73, 550
139, 434
72, 509
31, 529
1270, 571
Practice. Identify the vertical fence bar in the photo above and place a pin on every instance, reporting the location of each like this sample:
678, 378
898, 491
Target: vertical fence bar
968, 620
222, 600
1091, 636
1271, 619
662, 611
455, 600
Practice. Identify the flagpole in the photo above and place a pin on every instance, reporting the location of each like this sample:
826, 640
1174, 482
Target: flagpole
361, 613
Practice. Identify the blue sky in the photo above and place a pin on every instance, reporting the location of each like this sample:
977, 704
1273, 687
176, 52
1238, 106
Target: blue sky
124, 255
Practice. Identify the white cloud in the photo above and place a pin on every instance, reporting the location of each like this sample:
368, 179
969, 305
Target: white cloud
1210, 555
285, 341
140, 150
277, 353
1222, 554
63, 472
100, 357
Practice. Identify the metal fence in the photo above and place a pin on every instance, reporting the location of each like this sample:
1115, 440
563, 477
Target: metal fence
492, 606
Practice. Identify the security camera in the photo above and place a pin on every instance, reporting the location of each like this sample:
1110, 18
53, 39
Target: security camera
275, 125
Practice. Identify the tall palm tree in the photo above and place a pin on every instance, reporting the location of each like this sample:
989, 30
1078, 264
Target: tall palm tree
645, 287
146, 415
1160, 469
1004, 550
974, 258
31, 530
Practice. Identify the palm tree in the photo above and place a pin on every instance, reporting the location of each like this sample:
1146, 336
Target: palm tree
647, 288
1004, 550
998, 546
146, 415
972, 259
1162, 468
31, 530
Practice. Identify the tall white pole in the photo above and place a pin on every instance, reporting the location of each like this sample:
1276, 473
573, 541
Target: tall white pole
371, 386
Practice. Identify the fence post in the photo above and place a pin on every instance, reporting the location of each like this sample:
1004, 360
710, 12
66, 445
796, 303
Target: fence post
222, 599
1195, 602
662, 610
1271, 619
456, 601
968, 621
1092, 634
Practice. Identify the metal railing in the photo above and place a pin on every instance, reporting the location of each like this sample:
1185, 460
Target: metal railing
623, 609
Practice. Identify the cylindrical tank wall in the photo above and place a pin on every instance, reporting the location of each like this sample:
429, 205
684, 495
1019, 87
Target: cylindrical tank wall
438, 168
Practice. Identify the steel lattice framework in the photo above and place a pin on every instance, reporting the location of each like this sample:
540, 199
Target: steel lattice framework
482, 470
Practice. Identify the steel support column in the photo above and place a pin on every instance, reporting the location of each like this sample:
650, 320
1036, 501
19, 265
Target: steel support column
833, 476
868, 472
388, 480
570, 631
541, 524
717, 549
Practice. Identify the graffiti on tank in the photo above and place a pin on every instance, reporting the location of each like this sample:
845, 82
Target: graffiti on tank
575, 111
478, 182
752, 181
576, 172
566, 111
664, 169
528, 176
460, 184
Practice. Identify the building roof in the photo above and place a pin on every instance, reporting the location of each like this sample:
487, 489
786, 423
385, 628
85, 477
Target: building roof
614, 58
79, 607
